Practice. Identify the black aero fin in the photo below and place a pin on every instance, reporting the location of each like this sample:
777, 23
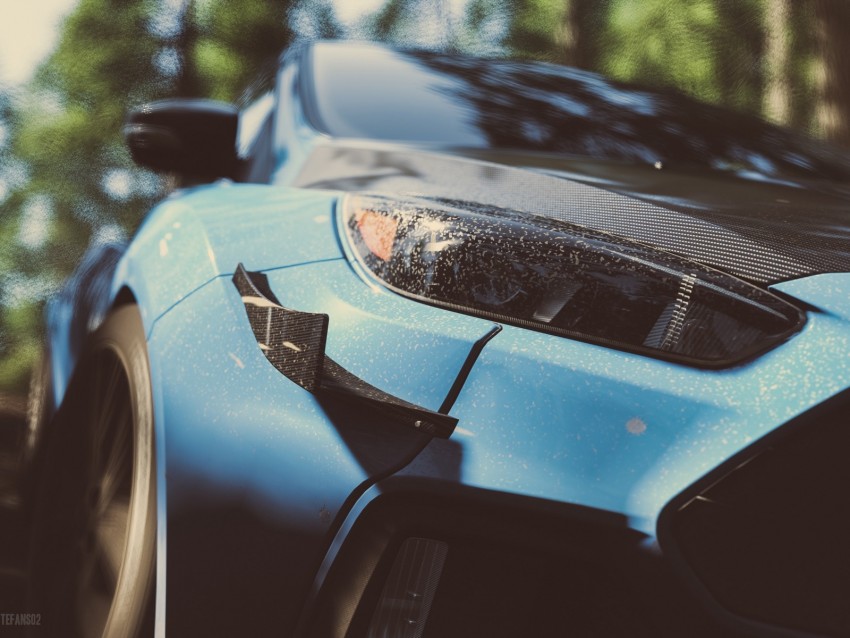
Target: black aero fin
294, 343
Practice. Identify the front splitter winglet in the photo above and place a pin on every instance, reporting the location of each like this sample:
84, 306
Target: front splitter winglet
294, 343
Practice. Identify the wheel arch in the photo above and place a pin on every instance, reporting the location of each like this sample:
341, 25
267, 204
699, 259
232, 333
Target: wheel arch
124, 297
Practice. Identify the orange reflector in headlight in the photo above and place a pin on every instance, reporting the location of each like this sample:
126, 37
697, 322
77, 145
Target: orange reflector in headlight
378, 233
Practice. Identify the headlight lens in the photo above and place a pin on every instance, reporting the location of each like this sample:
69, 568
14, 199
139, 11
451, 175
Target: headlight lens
542, 273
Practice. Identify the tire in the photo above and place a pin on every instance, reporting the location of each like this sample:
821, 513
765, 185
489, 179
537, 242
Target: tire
94, 525
38, 410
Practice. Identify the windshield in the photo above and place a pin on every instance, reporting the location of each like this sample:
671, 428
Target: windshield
462, 101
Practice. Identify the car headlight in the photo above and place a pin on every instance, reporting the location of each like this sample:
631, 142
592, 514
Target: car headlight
542, 273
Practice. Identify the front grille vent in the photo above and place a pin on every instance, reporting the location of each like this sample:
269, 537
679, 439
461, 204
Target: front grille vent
405, 602
769, 539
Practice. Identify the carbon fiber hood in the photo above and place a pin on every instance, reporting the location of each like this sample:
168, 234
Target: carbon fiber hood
759, 230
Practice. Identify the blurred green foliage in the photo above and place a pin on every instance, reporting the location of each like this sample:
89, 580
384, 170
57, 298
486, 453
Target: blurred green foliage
76, 181
66, 179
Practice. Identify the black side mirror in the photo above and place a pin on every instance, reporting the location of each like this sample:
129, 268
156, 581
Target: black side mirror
194, 138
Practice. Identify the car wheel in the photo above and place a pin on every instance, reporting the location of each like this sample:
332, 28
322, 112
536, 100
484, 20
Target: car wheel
36, 407
94, 527
37, 420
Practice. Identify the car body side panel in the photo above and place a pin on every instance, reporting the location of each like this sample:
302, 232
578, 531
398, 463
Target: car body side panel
630, 433
191, 239
573, 422
254, 470
251, 476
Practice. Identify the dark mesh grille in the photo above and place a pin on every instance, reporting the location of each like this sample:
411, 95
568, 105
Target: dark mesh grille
769, 539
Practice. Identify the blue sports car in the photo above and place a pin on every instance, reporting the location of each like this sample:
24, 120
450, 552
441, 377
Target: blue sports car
432, 346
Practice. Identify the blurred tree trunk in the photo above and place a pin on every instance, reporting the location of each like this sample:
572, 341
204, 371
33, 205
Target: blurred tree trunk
536, 29
803, 91
581, 31
776, 105
833, 109
63, 156
738, 53
188, 83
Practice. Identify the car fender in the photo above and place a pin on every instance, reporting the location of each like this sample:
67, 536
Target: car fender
186, 241
255, 472
202, 233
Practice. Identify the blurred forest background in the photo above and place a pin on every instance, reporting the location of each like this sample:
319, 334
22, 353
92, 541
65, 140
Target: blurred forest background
66, 179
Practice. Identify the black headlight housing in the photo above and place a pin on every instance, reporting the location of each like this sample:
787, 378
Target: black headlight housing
545, 274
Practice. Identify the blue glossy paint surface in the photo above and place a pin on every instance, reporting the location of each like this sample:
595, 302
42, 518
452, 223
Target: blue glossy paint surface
829, 293
564, 420
195, 236
58, 323
236, 435
237, 423
251, 472
540, 415
625, 433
